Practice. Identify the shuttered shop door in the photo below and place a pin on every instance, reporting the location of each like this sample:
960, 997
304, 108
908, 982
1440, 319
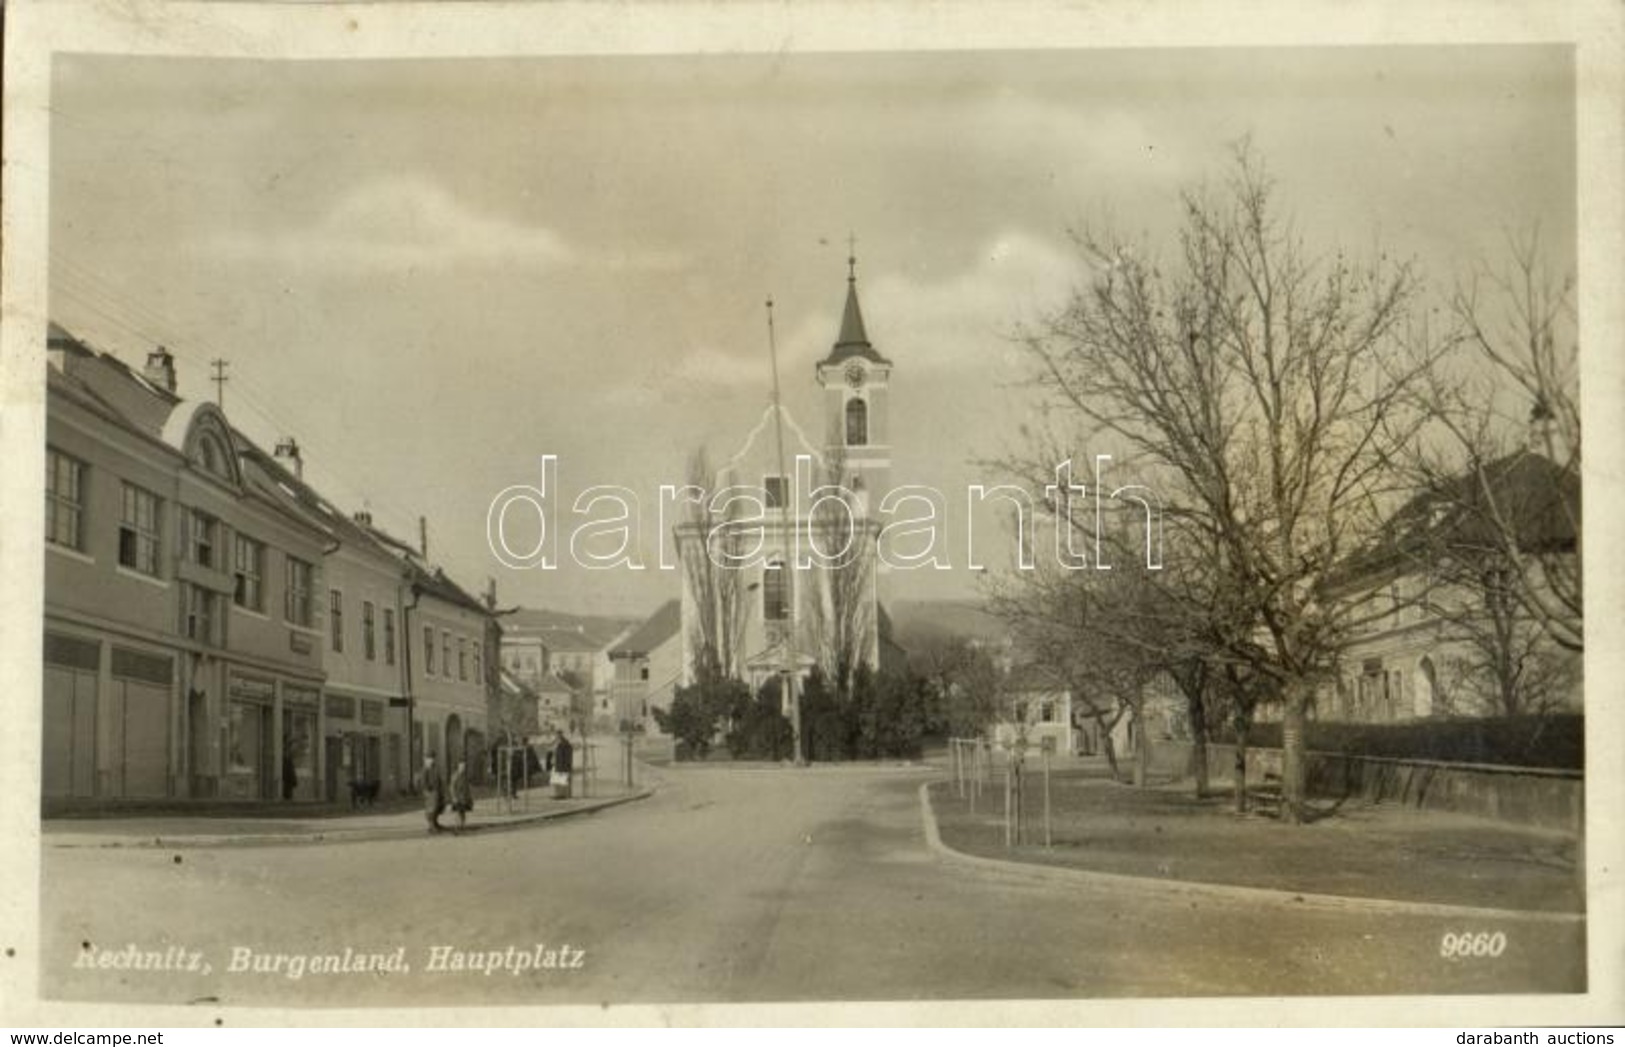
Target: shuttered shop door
142, 689
69, 743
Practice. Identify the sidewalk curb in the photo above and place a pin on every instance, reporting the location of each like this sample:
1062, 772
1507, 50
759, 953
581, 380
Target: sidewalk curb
1219, 891
336, 835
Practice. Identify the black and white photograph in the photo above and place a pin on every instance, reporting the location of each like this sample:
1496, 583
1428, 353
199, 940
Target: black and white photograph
765, 516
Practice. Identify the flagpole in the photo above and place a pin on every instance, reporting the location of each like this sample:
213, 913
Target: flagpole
788, 694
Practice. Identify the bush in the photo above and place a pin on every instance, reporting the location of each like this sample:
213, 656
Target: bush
761, 731
697, 713
1522, 741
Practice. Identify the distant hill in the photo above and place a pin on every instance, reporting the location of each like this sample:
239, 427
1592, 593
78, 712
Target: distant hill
596, 629
914, 621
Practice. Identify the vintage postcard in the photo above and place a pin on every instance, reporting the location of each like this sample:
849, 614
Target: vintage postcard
859, 513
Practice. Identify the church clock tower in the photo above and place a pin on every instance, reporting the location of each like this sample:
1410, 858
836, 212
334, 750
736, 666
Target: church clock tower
856, 382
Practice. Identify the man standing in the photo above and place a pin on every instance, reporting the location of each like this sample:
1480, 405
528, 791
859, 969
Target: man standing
434, 793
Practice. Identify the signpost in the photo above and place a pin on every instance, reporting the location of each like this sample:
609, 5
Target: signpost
1047, 747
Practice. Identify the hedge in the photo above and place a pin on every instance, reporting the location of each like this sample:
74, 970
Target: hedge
1524, 741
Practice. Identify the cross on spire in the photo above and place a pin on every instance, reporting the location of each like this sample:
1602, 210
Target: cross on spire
851, 258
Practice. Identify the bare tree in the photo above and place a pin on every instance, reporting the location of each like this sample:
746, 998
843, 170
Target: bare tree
843, 619
1263, 386
1511, 485
717, 590
1059, 623
962, 679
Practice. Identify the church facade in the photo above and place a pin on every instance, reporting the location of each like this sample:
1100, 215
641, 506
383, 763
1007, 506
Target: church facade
784, 576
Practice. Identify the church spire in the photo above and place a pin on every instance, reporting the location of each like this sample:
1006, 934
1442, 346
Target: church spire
853, 340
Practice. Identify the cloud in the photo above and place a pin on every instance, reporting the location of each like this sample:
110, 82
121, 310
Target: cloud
409, 222
955, 322
966, 320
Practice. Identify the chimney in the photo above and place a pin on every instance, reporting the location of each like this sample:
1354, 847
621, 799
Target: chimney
423, 536
491, 593
287, 452
364, 517
160, 369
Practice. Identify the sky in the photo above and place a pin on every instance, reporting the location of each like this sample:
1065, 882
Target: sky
433, 272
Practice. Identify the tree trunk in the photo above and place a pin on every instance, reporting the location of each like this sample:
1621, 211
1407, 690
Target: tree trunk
1239, 776
1292, 753
1111, 754
1142, 751
1199, 770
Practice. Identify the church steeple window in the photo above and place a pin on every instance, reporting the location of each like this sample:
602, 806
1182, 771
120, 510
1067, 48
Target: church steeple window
857, 422
775, 593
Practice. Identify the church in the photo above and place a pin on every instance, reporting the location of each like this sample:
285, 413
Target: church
787, 579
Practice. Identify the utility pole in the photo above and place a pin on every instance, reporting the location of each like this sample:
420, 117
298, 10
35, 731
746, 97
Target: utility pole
219, 365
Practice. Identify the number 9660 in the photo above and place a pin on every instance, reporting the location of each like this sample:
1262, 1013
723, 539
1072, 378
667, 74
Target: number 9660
1472, 945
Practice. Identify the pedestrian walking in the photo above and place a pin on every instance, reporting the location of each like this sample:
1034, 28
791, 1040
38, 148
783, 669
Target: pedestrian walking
563, 763
516, 772
434, 793
462, 797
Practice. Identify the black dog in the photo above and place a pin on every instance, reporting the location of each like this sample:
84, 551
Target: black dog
363, 794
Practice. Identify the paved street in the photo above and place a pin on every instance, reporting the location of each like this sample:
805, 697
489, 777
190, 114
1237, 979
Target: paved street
728, 885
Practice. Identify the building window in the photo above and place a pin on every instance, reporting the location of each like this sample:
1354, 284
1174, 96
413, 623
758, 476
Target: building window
1046, 712
774, 486
479, 667
64, 501
462, 659
643, 673
445, 653
301, 595
389, 636
138, 531
369, 641
205, 531
775, 593
857, 422
250, 569
335, 619
428, 649
201, 617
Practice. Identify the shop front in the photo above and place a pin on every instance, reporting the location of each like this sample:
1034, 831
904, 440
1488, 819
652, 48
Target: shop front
355, 744
249, 773
300, 729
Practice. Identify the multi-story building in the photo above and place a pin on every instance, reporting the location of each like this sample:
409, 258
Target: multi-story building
648, 667
446, 652
183, 653
214, 628
1437, 629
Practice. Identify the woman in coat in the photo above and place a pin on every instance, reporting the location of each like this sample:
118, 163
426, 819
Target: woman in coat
563, 764
462, 797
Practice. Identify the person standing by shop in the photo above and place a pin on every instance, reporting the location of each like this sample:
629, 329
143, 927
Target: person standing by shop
462, 797
434, 793
563, 763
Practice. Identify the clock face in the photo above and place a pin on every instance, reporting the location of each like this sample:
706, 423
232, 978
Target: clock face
854, 374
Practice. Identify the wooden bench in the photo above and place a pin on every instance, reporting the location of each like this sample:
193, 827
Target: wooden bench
1266, 798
